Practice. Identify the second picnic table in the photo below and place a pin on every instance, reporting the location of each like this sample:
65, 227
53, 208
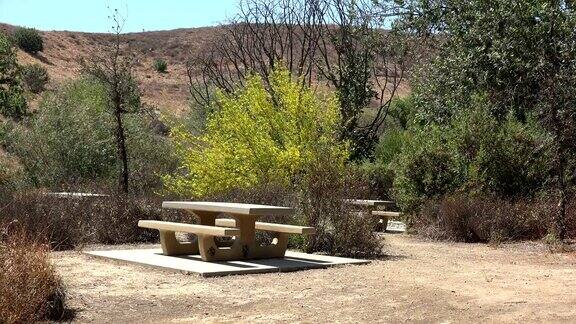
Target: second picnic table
372, 206
241, 223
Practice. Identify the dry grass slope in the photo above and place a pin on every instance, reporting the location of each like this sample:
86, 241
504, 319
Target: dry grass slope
169, 91
63, 51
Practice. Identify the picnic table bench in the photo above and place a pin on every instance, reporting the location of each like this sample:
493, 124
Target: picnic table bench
241, 223
370, 204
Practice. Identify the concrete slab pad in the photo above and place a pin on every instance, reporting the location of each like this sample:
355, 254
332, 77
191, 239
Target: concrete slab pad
193, 263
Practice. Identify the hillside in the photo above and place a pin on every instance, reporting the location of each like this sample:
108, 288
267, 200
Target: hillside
63, 51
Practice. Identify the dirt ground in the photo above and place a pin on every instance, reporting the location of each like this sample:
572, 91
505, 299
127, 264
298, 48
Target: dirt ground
419, 281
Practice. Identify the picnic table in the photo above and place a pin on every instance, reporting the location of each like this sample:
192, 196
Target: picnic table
240, 224
384, 216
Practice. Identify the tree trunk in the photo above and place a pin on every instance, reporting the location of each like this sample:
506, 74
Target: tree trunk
560, 216
121, 145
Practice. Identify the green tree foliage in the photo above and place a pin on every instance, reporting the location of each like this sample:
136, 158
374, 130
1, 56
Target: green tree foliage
12, 101
70, 140
35, 77
29, 40
67, 139
474, 153
519, 54
254, 137
492, 47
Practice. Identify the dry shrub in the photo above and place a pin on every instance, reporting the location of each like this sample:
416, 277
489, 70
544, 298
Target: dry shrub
61, 222
30, 290
115, 219
71, 221
483, 219
340, 229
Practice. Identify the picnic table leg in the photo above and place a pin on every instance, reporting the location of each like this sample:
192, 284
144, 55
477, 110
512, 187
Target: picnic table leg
171, 246
244, 247
275, 250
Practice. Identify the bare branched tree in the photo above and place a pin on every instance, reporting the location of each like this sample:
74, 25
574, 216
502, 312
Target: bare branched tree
114, 69
261, 35
339, 43
364, 63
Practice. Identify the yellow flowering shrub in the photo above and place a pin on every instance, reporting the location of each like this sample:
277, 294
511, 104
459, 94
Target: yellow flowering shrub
253, 137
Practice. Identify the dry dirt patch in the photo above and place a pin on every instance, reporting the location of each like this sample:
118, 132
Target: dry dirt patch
419, 281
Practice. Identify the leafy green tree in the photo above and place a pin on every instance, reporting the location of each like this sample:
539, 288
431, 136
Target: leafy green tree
255, 137
12, 101
69, 141
474, 153
519, 54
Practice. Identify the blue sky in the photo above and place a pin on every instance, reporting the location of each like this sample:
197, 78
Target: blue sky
91, 15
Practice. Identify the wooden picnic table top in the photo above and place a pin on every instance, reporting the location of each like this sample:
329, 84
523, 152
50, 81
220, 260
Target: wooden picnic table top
233, 208
368, 202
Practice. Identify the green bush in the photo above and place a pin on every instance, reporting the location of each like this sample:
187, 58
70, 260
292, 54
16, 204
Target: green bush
12, 176
12, 101
474, 153
35, 77
29, 40
403, 111
426, 168
509, 158
71, 140
160, 65
389, 146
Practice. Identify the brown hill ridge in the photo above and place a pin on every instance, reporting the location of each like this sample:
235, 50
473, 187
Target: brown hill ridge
63, 51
